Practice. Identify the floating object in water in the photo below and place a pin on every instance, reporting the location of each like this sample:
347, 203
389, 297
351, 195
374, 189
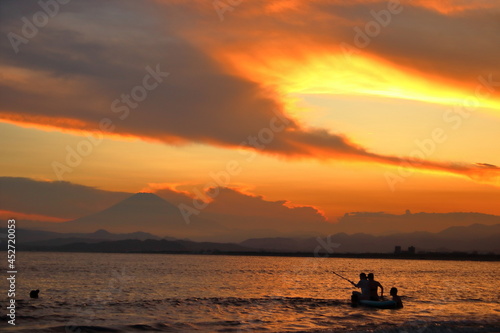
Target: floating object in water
34, 293
386, 304
389, 304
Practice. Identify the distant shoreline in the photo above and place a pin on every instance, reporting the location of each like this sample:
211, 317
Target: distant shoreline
417, 256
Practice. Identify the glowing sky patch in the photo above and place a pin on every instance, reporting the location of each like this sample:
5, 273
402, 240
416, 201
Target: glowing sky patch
272, 87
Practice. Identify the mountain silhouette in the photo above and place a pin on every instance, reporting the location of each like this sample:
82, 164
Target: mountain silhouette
379, 223
480, 238
48, 237
476, 237
145, 212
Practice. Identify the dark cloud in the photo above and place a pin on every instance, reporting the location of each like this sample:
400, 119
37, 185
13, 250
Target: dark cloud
487, 165
198, 101
238, 215
86, 59
54, 198
233, 209
456, 46
387, 224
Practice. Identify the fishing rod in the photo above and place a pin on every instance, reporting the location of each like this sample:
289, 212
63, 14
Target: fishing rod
343, 278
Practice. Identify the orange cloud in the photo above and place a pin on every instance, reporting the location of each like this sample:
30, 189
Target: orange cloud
229, 84
5, 214
454, 7
234, 209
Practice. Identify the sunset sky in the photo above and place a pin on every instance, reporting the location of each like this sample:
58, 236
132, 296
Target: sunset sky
344, 106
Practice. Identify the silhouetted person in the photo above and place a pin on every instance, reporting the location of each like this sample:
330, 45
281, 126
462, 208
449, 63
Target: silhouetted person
34, 293
365, 290
394, 293
373, 286
363, 285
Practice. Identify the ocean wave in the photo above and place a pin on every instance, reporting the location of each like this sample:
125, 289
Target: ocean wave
233, 301
466, 326
235, 314
239, 327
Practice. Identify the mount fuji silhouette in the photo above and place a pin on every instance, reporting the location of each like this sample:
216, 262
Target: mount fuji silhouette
145, 212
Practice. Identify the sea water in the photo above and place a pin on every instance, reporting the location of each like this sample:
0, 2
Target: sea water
86, 292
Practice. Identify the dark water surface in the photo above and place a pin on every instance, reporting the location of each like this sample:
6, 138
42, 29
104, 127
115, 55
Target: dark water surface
158, 292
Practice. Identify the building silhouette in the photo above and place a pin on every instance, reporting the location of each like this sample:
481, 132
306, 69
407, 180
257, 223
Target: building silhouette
397, 250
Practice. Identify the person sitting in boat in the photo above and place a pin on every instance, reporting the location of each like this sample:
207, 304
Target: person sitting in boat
365, 290
394, 293
363, 285
373, 286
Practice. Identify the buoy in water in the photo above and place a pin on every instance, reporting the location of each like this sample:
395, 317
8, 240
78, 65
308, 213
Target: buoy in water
34, 293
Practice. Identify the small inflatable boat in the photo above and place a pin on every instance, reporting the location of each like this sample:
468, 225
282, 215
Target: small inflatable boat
386, 304
379, 304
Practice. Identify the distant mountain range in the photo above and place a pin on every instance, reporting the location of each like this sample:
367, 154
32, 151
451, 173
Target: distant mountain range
147, 214
48, 238
480, 238
136, 245
476, 237
380, 223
